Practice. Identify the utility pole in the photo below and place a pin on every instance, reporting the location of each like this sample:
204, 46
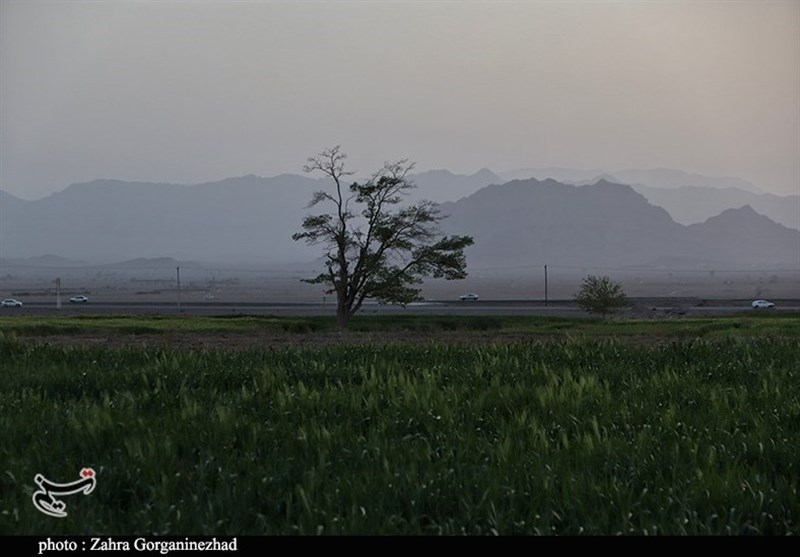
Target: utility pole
545, 286
179, 287
58, 293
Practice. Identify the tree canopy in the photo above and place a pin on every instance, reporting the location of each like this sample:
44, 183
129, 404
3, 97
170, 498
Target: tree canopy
375, 247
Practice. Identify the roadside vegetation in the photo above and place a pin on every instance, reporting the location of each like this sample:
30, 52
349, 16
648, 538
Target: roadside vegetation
744, 325
601, 295
699, 434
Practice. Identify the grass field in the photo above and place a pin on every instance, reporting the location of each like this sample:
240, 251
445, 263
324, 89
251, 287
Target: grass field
699, 434
745, 325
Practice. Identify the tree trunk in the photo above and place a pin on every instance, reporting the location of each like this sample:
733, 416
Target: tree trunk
342, 316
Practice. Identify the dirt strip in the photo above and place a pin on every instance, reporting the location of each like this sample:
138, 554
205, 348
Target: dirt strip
265, 339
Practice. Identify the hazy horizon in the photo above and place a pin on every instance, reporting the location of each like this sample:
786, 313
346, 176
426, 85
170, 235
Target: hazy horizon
192, 92
505, 175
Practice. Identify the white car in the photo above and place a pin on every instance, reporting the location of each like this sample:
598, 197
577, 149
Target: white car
11, 303
762, 304
469, 296
79, 299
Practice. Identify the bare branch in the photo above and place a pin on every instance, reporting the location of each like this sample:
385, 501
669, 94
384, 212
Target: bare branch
329, 161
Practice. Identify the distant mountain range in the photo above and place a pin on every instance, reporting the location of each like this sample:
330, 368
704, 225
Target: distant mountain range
238, 219
528, 222
521, 222
248, 218
655, 178
693, 204
688, 198
442, 185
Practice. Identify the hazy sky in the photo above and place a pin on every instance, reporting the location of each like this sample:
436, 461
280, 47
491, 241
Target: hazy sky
196, 91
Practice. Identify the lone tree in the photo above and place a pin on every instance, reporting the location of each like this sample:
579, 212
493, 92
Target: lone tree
374, 247
601, 295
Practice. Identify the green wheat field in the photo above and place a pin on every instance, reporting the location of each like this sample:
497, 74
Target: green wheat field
698, 434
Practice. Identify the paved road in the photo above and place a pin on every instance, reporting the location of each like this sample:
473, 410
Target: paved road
560, 308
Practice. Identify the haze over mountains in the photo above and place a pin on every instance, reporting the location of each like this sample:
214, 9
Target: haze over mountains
655, 177
688, 198
608, 224
251, 219
694, 204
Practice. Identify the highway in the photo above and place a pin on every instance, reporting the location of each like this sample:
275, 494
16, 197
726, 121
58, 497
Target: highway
650, 307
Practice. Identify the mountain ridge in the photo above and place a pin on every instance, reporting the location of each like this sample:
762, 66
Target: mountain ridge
252, 218
606, 224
